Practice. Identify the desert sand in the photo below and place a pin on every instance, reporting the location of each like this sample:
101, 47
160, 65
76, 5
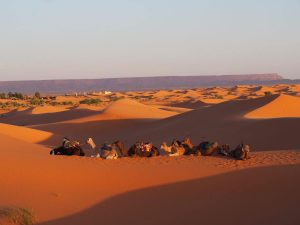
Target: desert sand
284, 106
162, 190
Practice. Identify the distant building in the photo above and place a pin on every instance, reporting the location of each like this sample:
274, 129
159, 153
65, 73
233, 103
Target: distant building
107, 92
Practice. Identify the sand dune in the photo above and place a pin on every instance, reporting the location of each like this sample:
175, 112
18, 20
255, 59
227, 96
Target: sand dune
248, 198
127, 109
27, 118
131, 109
162, 190
24, 133
48, 109
64, 187
225, 123
281, 107
191, 104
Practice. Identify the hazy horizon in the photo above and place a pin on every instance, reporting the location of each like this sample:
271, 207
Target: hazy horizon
73, 39
116, 77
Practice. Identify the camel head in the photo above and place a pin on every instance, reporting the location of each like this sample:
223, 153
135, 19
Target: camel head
187, 141
163, 145
148, 146
245, 148
91, 143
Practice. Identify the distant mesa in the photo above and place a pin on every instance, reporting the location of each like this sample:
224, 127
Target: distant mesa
138, 83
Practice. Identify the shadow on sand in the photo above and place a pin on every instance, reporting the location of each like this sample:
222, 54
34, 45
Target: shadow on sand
267, 195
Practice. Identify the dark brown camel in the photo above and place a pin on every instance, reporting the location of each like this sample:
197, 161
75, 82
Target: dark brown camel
189, 147
75, 149
143, 149
120, 148
208, 148
241, 152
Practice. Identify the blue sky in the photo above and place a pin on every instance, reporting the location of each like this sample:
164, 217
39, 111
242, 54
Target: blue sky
59, 39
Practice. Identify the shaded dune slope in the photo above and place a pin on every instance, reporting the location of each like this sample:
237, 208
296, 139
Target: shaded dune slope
226, 123
26, 118
243, 197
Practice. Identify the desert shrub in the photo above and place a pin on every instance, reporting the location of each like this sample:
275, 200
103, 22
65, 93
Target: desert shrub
8, 105
18, 216
37, 95
90, 101
3, 96
115, 98
54, 103
16, 104
15, 95
67, 103
36, 101
3, 105
268, 93
10, 94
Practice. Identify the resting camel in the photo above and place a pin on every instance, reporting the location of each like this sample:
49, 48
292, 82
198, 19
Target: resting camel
208, 148
224, 150
174, 150
72, 149
241, 152
190, 149
107, 151
143, 149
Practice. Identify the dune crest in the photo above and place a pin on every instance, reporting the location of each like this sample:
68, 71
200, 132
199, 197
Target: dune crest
284, 106
48, 109
127, 108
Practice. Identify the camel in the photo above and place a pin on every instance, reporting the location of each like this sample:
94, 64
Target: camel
166, 148
174, 150
72, 148
143, 149
189, 147
93, 146
107, 151
224, 150
241, 152
208, 148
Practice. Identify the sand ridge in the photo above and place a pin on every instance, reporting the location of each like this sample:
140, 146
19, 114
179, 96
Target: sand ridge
24, 133
284, 106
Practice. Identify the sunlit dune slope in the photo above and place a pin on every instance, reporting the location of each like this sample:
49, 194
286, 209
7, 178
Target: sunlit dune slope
48, 109
282, 106
24, 133
127, 109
